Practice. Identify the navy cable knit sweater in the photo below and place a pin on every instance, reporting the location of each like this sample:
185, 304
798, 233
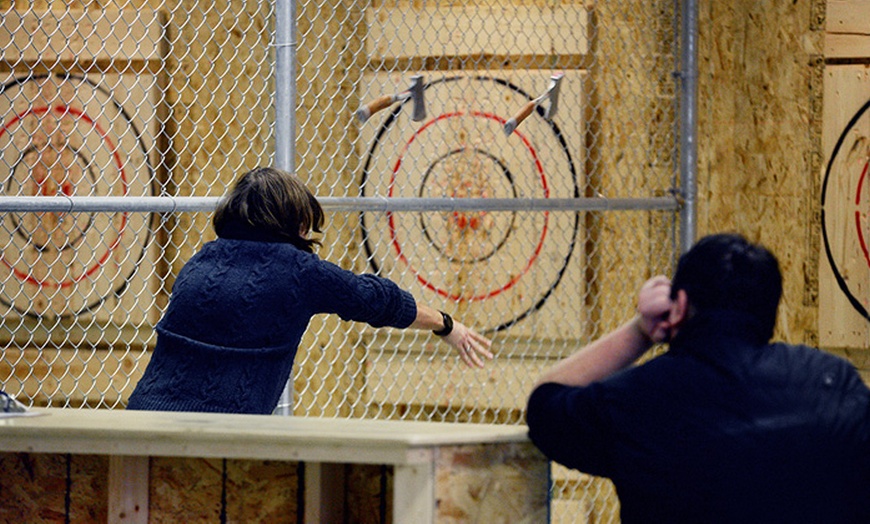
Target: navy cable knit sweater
237, 313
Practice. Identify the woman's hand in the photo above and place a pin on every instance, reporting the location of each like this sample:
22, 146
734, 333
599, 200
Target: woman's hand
472, 346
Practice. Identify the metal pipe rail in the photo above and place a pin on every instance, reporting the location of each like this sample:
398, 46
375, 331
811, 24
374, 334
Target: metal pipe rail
170, 204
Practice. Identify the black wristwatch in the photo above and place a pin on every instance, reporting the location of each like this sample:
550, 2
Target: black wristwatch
448, 325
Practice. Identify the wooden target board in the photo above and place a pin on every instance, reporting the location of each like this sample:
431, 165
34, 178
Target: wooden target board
68, 135
844, 282
503, 269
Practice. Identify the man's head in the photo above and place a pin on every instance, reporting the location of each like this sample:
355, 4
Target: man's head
727, 272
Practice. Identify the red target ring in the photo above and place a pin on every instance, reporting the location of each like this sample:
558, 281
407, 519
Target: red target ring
44, 188
861, 217
392, 224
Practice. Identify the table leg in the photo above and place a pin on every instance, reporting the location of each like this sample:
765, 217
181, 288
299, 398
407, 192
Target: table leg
128, 489
324, 485
414, 494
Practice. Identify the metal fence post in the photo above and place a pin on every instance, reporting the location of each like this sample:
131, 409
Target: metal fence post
285, 117
689, 123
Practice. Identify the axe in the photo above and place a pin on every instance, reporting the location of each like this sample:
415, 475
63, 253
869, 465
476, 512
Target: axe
552, 93
415, 93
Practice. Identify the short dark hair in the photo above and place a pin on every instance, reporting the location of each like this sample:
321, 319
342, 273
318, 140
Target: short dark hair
268, 203
727, 272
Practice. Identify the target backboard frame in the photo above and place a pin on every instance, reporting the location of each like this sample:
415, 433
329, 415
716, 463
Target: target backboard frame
67, 135
844, 269
74, 133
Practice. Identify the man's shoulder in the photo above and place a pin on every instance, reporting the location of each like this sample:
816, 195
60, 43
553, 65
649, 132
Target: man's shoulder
816, 372
807, 358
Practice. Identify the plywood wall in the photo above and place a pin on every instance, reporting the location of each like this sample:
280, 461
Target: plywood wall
759, 148
761, 151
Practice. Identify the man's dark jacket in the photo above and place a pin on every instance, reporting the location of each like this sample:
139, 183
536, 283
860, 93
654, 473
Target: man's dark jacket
718, 429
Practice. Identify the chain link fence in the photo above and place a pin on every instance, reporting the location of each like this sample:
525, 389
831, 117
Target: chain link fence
123, 122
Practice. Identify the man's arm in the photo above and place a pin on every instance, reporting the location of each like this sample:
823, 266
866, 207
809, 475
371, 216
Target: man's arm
621, 347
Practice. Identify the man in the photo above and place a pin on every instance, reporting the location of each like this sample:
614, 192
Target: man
724, 427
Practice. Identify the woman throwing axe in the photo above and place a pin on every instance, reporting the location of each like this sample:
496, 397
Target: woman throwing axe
240, 306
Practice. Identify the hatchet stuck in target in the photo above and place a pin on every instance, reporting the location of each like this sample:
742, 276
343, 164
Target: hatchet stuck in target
414, 93
551, 94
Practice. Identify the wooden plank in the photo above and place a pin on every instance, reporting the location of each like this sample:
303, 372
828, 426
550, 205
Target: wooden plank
77, 34
263, 437
848, 29
46, 488
128, 489
459, 31
414, 493
848, 17
847, 46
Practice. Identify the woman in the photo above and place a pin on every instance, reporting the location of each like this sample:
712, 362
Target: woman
240, 306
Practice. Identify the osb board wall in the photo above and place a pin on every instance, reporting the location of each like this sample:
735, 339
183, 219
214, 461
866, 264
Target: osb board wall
193, 490
759, 103
39, 487
59, 46
35, 487
761, 156
200, 147
200, 73
633, 158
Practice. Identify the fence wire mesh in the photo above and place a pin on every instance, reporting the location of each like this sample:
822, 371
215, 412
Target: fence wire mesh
110, 107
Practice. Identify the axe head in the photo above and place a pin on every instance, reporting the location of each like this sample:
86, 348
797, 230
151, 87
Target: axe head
553, 95
415, 93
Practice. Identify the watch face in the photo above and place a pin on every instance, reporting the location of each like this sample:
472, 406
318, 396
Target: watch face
448, 325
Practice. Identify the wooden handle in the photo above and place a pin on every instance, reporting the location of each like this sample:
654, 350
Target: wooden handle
380, 104
525, 112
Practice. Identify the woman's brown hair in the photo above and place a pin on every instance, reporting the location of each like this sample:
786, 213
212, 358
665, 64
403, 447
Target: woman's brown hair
269, 204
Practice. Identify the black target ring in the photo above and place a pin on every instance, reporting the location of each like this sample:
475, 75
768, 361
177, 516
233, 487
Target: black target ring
469, 221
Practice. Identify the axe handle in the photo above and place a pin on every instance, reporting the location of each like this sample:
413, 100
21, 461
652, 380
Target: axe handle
381, 103
525, 112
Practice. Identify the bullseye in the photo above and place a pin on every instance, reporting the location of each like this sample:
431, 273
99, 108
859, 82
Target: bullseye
478, 234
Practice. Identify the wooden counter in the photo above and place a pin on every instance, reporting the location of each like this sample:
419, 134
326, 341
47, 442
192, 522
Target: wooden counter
433, 467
